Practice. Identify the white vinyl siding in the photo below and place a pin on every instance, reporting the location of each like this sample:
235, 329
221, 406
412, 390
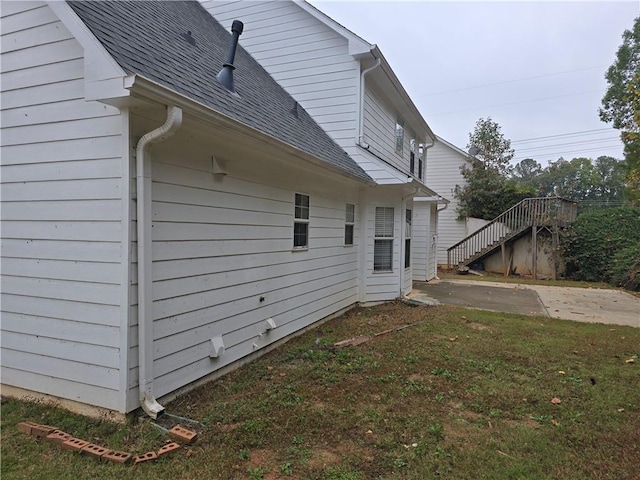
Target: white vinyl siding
443, 173
219, 247
385, 131
310, 60
423, 256
61, 213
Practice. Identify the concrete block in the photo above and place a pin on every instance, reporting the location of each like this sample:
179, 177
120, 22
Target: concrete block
116, 457
42, 430
25, 427
183, 435
168, 448
58, 437
145, 457
74, 444
94, 450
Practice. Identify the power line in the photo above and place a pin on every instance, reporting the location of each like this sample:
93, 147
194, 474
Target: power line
514, 103
554, 145
556, 156
584, 132
514, 80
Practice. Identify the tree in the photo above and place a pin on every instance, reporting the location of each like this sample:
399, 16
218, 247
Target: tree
491, 147
487, 191
621, 103
582, 180
526, 171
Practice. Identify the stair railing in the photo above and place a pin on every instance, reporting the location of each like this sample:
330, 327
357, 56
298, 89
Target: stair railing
544, 211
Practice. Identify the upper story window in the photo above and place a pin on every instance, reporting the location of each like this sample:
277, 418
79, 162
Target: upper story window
412, 155
301, 221
383, 240
399, 136
349, 221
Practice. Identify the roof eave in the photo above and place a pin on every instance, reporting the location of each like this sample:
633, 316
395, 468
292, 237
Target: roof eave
395, 83
143, 87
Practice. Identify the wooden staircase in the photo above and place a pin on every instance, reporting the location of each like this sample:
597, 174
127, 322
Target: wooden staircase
527, 216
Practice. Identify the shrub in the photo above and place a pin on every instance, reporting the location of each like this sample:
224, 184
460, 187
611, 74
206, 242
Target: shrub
625, 269
600, 245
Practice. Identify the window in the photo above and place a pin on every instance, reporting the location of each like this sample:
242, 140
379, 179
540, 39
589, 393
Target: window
407, 239
301, 222
383, 240
420, 167
412, 155
349, 220
399, 136
421, 154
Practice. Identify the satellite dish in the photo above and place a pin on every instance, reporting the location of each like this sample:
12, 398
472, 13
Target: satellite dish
473, 151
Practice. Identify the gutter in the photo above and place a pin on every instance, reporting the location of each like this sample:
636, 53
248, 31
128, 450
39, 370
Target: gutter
145, 300
144, 89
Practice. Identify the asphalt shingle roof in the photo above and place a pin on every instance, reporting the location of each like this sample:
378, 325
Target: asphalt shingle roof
148, 38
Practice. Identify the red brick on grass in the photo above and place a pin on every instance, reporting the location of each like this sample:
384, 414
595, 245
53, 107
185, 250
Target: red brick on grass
74, 444
168, 448
117, 457
183, 435
42, 430
58, 437
25, 427
145, 457
94, 450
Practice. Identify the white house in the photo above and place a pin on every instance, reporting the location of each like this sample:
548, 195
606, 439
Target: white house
252, 223
351, 91
443, 171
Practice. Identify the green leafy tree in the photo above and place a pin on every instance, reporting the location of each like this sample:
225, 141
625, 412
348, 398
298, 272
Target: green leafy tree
489, 145
526, 172
621, 103
582, 180
488, 191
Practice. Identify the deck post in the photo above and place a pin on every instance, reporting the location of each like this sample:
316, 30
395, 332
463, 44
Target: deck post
534, 250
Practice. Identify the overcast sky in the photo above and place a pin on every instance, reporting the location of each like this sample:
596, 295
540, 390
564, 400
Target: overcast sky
536, 68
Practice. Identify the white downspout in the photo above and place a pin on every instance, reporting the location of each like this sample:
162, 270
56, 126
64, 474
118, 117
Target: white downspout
145, 299
435, 265
360, 132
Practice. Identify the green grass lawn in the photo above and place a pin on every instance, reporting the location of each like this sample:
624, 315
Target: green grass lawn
464, 394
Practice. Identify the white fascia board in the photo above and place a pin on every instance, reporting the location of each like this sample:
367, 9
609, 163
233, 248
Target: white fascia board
102, 75
395, 86
144, 89
424, 192
467, 157
357, 45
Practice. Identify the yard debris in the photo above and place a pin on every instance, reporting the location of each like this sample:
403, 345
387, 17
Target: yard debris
556, 400
68, 442
555, 422
365, 338
168, 448
145, 457
353, 341
116, 457
630, 360
182, 434
562, 372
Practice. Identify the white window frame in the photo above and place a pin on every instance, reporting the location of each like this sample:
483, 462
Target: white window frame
408, 218
412, 155
383, 240
349, 224
399, 136
301, 216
